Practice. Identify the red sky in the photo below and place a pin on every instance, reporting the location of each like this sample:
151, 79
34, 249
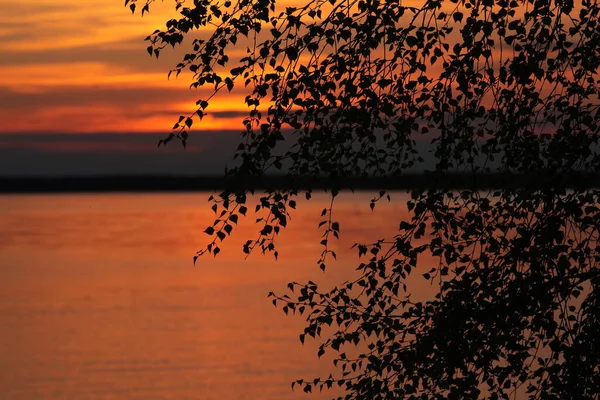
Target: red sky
82, 66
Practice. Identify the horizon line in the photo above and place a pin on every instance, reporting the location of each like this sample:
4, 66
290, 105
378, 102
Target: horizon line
188, 183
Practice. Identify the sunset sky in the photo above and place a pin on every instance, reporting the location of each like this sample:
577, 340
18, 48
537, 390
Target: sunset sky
82, 66
79, 93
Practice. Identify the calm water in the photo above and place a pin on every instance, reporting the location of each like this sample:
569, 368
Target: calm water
99, 298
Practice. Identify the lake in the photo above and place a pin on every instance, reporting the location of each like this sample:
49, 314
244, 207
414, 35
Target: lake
99, 298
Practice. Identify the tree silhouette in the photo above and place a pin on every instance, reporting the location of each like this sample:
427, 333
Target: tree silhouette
345, 88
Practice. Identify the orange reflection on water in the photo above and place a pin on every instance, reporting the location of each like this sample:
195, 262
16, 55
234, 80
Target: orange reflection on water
99, 297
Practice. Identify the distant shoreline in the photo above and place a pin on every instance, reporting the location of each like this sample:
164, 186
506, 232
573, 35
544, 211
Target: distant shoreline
151, 183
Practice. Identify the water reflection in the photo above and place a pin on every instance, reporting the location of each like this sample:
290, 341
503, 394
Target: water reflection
99, 297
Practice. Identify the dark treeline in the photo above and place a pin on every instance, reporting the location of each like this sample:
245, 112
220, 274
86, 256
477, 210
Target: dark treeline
153, 183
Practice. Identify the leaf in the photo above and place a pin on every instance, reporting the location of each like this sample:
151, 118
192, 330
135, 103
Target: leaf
229, 84
503, 233
411, 41
291, 53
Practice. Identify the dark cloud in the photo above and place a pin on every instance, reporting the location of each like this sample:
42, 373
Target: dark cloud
128, 54
57, 154
229, 114
130, 104
128, 98
31, 154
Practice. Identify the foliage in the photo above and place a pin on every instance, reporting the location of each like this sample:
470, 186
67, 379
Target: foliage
343, 88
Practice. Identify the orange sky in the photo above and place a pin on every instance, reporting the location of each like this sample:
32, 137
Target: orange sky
70, 66
82, 66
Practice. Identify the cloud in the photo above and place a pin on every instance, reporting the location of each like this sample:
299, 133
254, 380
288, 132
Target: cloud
107, 154
89, 96
70, 23
72, 65
129, 53
112, 108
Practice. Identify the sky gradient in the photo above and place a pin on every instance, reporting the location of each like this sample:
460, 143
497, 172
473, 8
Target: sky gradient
78, 91
77, 66
80, 95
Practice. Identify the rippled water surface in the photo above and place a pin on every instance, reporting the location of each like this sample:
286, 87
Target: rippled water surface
99, 298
